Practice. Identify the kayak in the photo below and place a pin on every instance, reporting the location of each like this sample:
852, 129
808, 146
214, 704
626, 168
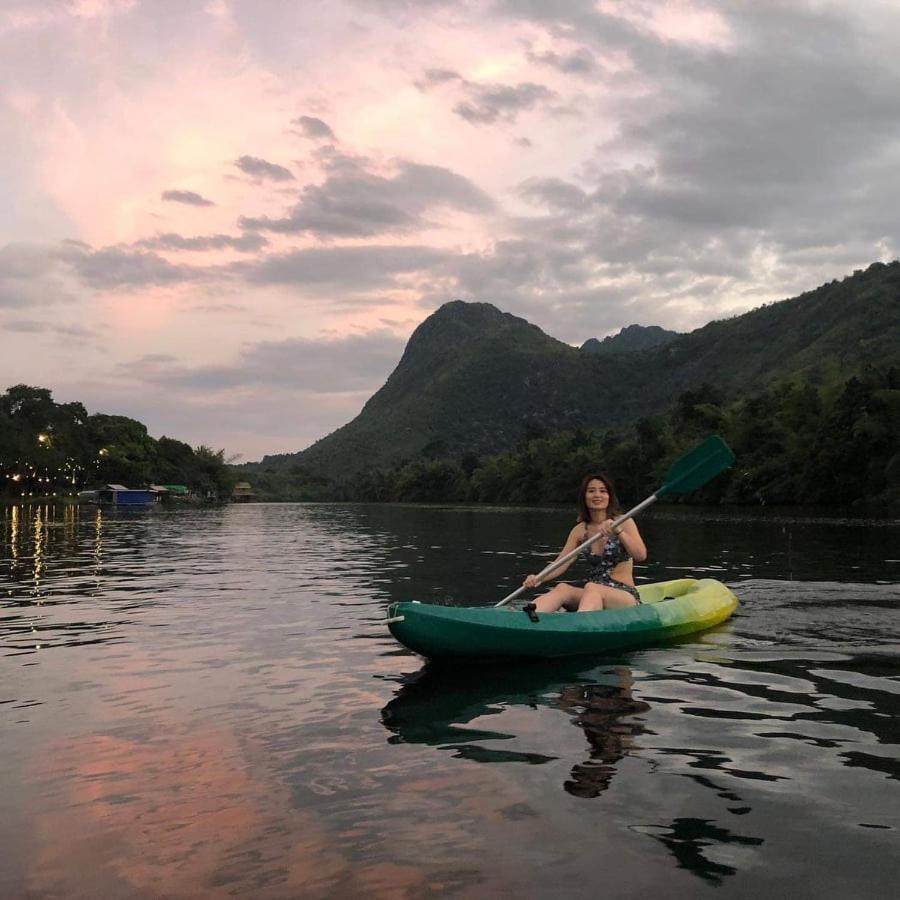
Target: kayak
668, 609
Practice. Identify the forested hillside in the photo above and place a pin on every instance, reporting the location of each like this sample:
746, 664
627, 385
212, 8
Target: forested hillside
804, 388
796, 444
49, 448
472, 379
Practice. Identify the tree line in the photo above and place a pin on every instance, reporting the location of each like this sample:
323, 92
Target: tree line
49, 448
797, 443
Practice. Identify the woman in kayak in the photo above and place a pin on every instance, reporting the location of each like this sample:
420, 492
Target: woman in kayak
611, 581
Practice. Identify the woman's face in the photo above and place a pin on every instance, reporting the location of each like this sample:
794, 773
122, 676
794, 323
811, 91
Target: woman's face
596, 495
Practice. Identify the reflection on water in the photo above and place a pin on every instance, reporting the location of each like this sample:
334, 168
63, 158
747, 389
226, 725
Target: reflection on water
205, 703
434, 707
686, 838
206, 813
609, 717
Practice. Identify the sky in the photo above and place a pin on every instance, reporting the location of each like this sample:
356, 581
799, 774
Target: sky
224, 218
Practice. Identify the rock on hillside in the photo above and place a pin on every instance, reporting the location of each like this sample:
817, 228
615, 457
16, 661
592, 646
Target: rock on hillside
631, 338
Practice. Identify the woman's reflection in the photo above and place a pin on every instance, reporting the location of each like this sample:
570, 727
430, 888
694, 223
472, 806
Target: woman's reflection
444, 709
607, 713
434, 707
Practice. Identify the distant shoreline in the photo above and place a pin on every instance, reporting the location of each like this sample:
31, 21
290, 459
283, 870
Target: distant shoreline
877, 517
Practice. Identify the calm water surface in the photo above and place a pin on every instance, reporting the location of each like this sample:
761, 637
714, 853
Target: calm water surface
204, 703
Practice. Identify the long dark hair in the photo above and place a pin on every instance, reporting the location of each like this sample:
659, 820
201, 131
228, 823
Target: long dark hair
612, 510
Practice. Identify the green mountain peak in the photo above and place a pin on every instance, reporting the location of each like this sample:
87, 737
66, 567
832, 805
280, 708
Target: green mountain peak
476, 381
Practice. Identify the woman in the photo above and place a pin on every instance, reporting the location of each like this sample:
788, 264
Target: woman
611, 582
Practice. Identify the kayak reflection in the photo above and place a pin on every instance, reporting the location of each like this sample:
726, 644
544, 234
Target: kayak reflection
435, 707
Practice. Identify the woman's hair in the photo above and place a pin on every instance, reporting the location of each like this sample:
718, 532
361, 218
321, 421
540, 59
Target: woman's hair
613, 510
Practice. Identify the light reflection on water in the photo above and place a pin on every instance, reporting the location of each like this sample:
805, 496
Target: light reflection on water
204, 703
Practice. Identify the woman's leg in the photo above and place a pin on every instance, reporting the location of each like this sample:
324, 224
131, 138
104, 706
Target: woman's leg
562, 595
602, 596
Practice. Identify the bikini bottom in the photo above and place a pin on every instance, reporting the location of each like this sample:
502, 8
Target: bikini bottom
618, 585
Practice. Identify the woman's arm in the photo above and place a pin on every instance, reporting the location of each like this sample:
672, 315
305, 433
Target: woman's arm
632, 541
571, 543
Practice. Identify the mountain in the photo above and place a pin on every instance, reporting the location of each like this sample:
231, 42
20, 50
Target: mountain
631, 338
472, 379
475, 380
824, 335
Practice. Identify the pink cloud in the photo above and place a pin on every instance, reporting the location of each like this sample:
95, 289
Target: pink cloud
674, 20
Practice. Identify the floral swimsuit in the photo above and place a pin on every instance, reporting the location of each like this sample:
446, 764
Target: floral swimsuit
602, 564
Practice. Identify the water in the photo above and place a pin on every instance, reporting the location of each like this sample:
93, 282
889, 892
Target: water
204, 703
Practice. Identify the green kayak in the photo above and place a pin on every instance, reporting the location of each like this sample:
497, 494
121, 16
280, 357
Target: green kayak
668, 609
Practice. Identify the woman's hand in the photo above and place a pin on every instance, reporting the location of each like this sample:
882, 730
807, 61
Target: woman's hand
630, 537
531, 581
606, 527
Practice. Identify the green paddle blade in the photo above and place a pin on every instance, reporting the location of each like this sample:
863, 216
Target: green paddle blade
694, 469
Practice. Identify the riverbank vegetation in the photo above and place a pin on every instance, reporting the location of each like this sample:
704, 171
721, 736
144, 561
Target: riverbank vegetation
56, 449
797, 443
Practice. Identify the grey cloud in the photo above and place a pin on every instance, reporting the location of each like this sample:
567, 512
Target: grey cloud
432, 77
31, 260
404, 8
355, 202
188, 197
246, 243
488, 103
779, 145
580, 18
328, 366
113, 267
521, 263
31, 326
36, 274
323, 216
314, 128
42, 274
349, 269
578, 62
153, 359
753, 134
220, 308
554, 193
25, 326
19, 293
351, 363
258, 419
260, 168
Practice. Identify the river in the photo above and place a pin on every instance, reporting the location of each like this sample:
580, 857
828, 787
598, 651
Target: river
205, 703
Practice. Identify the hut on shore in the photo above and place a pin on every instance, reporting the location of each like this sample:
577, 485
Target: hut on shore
243, 492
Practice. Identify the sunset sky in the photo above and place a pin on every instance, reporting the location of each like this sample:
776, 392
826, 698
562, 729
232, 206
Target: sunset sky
225, 217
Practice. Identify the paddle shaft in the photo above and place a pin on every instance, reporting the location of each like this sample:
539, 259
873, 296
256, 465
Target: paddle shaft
573, 553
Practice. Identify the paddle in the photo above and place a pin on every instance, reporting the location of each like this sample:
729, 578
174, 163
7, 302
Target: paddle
686, 474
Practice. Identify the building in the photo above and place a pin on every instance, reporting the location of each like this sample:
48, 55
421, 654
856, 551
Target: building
119, 495
172, 491
243, 492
